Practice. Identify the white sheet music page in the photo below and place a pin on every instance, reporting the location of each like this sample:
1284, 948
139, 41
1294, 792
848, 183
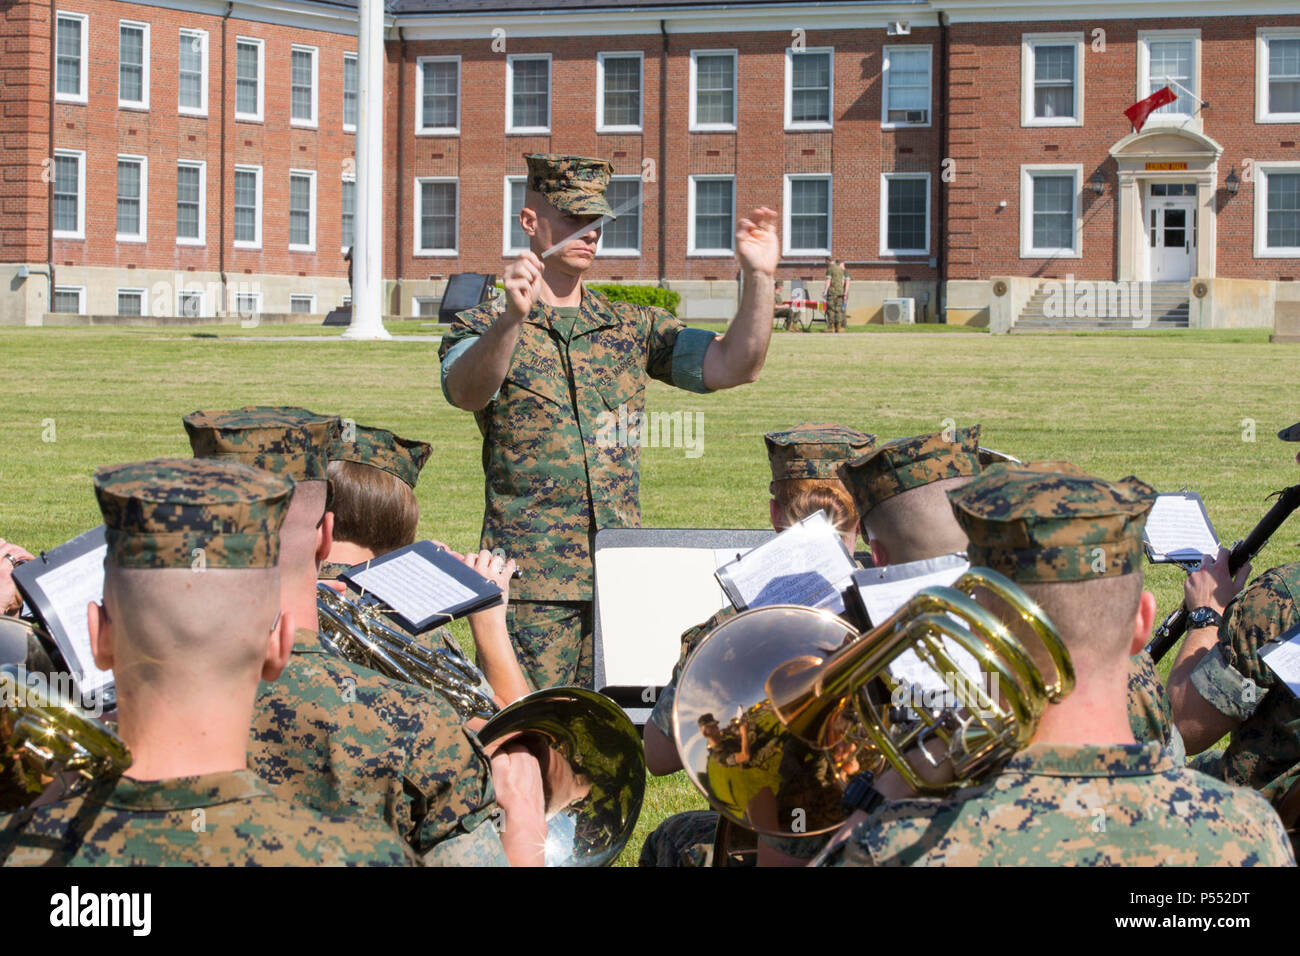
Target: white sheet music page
70, 588
412, 586
1177, 529
802, 565
1283, 658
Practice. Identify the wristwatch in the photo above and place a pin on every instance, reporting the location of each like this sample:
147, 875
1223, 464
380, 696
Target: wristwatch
861, 793
1204, 617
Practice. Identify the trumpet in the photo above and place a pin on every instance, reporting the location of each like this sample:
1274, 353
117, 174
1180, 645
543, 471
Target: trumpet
816, 703
44, 736
592, 762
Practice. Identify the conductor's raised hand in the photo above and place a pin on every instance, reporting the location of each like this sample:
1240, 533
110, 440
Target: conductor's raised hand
523, 281
758, 245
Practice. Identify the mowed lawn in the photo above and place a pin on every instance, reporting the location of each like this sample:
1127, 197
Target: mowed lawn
1177, 409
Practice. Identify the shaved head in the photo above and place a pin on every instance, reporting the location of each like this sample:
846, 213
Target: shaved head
1094, 618
918, 523
298, 533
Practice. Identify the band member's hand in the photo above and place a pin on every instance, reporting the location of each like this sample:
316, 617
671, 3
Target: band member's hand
11, 555
496, 569
758, 246
1212, 586
334, 585
517, 780
523, 280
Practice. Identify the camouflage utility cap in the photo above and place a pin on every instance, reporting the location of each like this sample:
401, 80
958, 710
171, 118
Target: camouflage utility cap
1290, 434
286, 441
1049, 521
906, 463
380, 448
158, 513
572, 184
814, 451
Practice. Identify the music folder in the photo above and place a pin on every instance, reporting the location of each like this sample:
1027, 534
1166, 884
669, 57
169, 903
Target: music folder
423, 586
1178, 529
58, 586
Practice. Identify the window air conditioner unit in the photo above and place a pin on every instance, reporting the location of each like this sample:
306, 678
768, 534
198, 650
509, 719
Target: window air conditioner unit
909, 116
900, 312
898, 28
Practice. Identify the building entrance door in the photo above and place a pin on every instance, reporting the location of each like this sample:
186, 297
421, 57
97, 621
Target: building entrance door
1171, 231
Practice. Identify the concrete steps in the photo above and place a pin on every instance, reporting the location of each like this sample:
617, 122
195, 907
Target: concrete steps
1159, 305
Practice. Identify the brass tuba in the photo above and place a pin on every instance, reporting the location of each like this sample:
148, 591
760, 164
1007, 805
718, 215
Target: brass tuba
592, 761
45, 737
815, 703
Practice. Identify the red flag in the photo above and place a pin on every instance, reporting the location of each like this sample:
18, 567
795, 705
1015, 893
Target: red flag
1139, 111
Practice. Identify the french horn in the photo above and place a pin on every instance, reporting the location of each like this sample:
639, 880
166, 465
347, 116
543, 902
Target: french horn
44, 736
591, 757
778, 708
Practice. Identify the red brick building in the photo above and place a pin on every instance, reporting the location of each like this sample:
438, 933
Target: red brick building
172, 156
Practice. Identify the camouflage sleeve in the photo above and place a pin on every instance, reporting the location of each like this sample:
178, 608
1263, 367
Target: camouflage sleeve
465, 330
479, 847
1263, 611
448, 778
1223, 686
850, 852
662, 714
674, 353
1149, 714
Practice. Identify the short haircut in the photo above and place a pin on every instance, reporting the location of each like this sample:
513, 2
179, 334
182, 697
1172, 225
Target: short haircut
1094, 618
372, 508
918, 523
298, 533
797, 498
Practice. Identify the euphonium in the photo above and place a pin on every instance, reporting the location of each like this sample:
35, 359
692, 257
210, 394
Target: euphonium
593, 764
43, 735
779, 707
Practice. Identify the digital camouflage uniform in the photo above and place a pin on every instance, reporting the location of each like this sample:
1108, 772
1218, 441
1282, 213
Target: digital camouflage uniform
1111, 804
835, 279
559, 459
1263, 751
192, 515
340, 738
218, 819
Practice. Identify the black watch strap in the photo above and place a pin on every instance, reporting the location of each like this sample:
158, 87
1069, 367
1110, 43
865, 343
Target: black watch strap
1204, 616
861, 793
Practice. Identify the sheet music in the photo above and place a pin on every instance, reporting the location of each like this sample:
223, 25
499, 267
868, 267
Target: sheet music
1177, 527
807, 563
71, 587
1283, 658
412, 586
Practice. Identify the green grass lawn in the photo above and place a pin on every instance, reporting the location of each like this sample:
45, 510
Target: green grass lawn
1174, 408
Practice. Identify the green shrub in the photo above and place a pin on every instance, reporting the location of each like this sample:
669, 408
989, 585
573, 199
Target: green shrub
640, 295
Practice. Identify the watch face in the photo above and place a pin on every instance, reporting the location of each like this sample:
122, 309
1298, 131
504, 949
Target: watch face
1203, 617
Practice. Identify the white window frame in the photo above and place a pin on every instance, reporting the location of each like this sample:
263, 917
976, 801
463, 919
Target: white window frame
143, 234
885, 122
1027, 171
1144, 74
417, 251
1262, 35
80, 155
233, 303
202, 167
311, 300
348, 178
790, 124
202, 36
506, 219
310, 246
601, 127
245, 243
84, 71
261, 80
1262, 170
420, 128
314, 120
695, 125
415, 305
81, 298
788, 214
143, 102
511, 60
131, 290
350, 127
691, 248
885, 250
1028, 41
622, 252
203, 305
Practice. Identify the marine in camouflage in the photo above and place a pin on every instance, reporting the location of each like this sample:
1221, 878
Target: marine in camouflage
1118, 805
218, 819
835, 290
683, 840
1049, 521
287, 441
906, 463
557, 457
1150, 716
344, 740
172, 512
380, 448
572, 184
1263, 752
814, 451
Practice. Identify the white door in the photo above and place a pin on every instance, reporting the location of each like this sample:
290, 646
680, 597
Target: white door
1171, 231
